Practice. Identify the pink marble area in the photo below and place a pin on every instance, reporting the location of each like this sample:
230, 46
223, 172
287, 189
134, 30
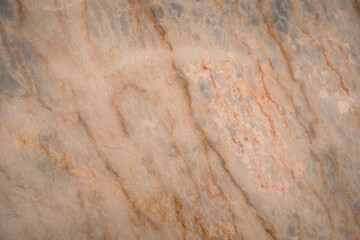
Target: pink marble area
170, 119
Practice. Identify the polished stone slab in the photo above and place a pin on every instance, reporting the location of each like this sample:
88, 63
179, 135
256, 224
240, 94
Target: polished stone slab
219, 119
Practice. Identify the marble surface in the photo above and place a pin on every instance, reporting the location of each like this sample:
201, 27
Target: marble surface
156, 119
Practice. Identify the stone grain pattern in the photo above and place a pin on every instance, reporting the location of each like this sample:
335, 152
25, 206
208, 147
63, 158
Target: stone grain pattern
180, 119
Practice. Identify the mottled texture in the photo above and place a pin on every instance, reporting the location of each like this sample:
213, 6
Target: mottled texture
156, 119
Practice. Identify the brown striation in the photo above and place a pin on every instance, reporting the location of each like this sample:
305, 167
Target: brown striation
178, 208
198, 128
21, 12
337, 73
149, 13
119, 179
289, 67
144, 119
328, 63
291, 102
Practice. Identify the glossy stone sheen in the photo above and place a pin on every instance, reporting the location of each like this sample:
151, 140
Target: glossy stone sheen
180, 119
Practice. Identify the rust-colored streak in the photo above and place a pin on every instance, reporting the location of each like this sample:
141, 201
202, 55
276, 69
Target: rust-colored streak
206, 68
239, 188
152, 171
119, 179
44, 149
203, 230
322, 174
340, 49
327, 61
178, 209
357, 6
277, 41
302, 124
272, 124
343, 87
286, 58
221, 195
93, 48
36, 95
292, 103
21, 12
121, 119
139, 213
185, 84
226, 232
5, 174
316, 194
158, 28
89, 229
232, 30
344, 188
268, 95
38, 147
188, 169
198, 128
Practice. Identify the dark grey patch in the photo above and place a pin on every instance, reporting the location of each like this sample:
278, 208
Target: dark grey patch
249, 102
340, 130
231, 129
345, 234
45, 166
196, 37
179, 9
311, 130
283, 7
218, 35
323, 5
47, 171
243, 6
334, 151
10, 58
291, 230
109, 12
354, 86
7, 82
96, 10
357, 205
181, 73
6, 10
246, 7
26, 51
205, 89
212, 20
158, 12
250, 8
298, 47
280, 23
92, 29
329, 163
282, 14
353, 51
254, 21
124, 23
7, 66
195, 13
296, 219
49, 141
307, 7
